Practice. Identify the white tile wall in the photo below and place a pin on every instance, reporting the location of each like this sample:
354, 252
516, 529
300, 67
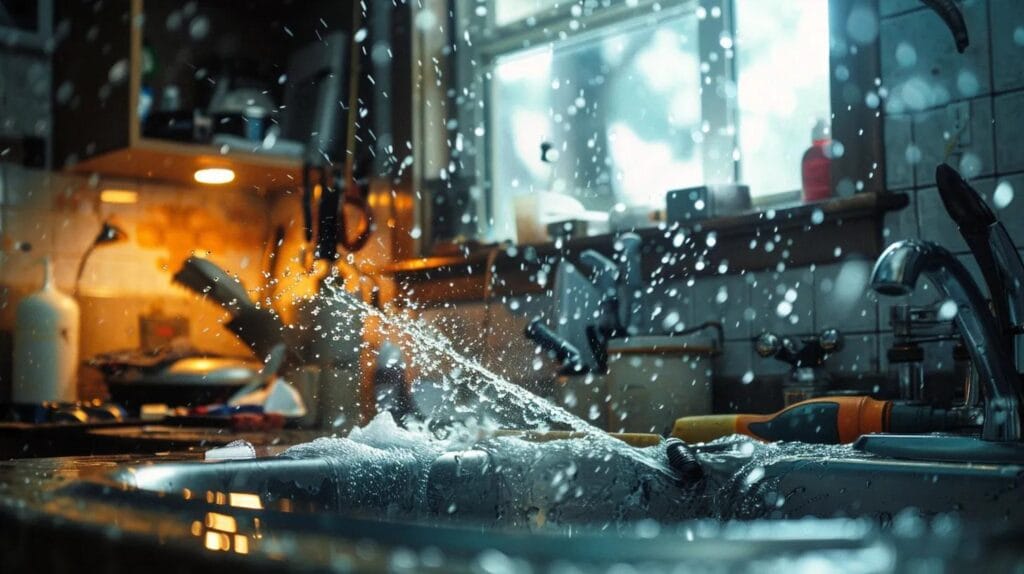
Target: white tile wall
1011, 214
1007, 44
903, 223
900, 154
1009, 115
958, 133
891, 7
772, 295
666, 298
737, 359
935, 223
920, 65
858, 356
843, 299
725, 299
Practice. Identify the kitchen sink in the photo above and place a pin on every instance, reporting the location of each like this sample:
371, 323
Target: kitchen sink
879, 489
757, 508
459, 486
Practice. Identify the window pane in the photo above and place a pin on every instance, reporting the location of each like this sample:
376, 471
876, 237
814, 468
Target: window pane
511, 11
621, 109
782, 62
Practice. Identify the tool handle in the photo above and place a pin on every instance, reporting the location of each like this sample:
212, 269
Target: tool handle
705, 428
548, 340
828, 420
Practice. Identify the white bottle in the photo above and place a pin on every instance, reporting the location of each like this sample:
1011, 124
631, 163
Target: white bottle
46, 345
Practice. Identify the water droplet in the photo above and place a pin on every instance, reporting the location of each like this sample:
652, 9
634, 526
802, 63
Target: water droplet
948, 310
722, 296
906, 55
1003, 195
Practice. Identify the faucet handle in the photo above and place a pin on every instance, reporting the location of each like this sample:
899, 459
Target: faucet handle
604, 273
767, 344
830, 340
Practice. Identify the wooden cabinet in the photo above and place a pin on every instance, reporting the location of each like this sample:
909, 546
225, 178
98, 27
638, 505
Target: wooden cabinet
99, 52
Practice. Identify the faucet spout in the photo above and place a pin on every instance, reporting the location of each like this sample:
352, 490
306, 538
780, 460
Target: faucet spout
896, 273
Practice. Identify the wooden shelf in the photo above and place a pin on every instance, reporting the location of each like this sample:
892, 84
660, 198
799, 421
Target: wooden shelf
165, 161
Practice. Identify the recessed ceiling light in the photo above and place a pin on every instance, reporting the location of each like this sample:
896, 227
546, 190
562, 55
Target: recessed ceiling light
215, 175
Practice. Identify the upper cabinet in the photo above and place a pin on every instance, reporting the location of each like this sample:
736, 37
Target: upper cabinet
161, 89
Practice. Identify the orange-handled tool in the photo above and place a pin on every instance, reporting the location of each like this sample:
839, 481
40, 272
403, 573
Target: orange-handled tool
827, 420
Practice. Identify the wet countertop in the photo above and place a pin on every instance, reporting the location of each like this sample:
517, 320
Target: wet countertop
30, 440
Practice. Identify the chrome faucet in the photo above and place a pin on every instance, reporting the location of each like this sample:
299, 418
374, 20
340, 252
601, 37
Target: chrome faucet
896, 273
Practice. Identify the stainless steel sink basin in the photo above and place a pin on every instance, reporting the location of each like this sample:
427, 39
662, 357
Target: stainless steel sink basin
879, 489
825, 482
740, 483
754, 511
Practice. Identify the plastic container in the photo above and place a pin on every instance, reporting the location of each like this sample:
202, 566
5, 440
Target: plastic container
46, 345
816, 166
653, 380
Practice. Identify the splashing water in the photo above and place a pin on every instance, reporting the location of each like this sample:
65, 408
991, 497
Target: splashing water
432, 351
593, 479
501, 481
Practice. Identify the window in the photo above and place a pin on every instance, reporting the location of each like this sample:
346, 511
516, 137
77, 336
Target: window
782, 73
630, 99
621, 129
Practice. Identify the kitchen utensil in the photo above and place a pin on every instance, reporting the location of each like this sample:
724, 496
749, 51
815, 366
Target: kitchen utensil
654, 379
186, 382
260, 328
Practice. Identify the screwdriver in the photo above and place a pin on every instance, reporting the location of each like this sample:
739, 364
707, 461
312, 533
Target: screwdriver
826, 420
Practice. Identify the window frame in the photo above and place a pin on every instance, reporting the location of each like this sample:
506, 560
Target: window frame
37, 40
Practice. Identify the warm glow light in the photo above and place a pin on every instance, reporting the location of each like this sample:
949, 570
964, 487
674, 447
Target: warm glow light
243, 500
222, 522
119, 196
215, 175
217, 541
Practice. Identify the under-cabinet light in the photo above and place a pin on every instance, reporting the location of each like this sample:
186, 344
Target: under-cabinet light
215, 175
